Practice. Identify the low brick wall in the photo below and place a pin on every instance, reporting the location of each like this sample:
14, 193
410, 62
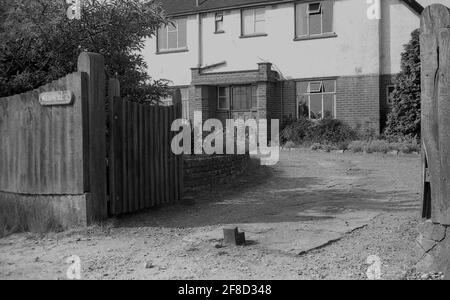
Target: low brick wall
204, 171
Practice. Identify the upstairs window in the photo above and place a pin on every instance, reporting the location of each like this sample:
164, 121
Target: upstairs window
253, 21
219, 22
313, 18
173, 36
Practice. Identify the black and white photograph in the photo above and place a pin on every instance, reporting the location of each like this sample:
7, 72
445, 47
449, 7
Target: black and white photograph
218, 147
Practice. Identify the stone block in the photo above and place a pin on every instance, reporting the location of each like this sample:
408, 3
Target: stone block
232, 236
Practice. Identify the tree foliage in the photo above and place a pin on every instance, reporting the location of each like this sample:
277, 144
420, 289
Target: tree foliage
404, 118
40, 44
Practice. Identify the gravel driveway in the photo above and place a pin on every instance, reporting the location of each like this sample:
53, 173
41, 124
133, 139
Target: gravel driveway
313, 216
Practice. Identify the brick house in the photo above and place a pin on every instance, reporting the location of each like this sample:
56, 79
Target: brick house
277, 59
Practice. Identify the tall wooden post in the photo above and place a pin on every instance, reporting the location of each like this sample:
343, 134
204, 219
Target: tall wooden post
434, 238
435, 57
93, 64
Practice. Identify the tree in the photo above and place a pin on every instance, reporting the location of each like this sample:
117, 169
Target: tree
40, 44
404, 118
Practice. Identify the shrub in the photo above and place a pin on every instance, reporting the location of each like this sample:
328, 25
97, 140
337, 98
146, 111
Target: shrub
404, 118
330, 133
296, 132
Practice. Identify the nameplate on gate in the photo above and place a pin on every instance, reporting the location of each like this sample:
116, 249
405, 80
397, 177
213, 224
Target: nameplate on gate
56, 98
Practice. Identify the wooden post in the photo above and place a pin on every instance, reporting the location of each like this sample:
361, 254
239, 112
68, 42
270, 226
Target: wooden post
93, 65
178, 106
435, 69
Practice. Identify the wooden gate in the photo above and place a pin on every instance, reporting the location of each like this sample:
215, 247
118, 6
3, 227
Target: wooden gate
435, 60
144, 172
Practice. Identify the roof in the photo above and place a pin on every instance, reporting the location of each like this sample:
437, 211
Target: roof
178, 7
185, 7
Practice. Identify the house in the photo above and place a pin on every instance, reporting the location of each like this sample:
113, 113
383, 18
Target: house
276, 59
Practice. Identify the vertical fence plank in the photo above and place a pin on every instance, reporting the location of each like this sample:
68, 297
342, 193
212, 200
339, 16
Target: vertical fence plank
153, 152
141, 157
130, 162
116, 156
147, 181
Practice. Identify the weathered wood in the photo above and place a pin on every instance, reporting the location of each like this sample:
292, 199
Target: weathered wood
42, 149
435, 107
141, 141
93, 65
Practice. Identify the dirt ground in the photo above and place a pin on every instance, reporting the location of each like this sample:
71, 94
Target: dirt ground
313, 216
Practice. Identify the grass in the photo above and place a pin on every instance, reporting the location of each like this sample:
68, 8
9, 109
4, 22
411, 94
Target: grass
17, 216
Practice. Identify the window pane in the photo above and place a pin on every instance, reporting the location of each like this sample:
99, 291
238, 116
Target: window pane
248, 22
328, 106
182, 33
315, 24
302, 87
328, 86
172, 43
327, 12
219, 25
162, 38
316, 106
254, 101
315, 87
260, 14
314, 8
302, 106
260, 27
222, 91
301, 22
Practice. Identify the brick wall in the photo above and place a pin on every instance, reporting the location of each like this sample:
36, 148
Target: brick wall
205, 171
358, 102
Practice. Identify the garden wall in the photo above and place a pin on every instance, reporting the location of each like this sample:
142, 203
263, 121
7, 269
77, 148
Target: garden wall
205, 171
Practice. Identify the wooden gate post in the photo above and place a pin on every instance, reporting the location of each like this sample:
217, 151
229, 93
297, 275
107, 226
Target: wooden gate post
435, 58
95, 164
434, 238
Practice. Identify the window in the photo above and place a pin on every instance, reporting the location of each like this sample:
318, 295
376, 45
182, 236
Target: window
223, 98
316, 99
185, 103
253, 21
219, 22
313, 18
237, 98
389, 90
244, 97
173, 36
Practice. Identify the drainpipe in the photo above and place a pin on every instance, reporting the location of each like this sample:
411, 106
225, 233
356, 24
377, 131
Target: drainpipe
200, 40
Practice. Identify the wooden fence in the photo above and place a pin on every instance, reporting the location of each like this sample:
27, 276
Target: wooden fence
435, 60
144, 172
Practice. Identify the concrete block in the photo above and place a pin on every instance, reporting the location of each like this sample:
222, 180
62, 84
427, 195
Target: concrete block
232, 236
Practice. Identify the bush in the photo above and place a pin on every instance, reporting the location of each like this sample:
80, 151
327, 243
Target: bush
404, 118
331, 133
